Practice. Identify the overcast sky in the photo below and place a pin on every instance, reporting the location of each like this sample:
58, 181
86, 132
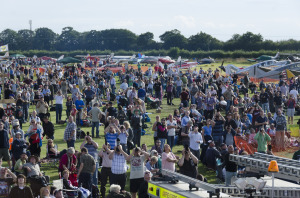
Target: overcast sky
274, 19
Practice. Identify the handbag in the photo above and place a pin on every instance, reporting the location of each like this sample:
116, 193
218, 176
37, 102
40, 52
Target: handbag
130, 145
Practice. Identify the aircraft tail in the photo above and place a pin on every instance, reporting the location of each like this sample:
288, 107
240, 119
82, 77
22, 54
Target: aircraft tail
276, 56
61, 57
179, 59
230, 69
112, 55
132, 57
6, 55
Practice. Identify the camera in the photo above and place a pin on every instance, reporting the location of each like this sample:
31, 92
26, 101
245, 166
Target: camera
118, 144
186, 148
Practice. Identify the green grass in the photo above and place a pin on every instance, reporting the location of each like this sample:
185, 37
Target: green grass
147, 139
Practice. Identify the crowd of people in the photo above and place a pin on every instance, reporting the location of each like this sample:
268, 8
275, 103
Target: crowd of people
214, 111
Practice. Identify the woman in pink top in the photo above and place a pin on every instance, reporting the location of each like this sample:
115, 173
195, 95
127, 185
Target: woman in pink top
168, 159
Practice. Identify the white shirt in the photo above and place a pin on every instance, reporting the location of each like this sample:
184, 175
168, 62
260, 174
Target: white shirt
59, 99
113, 81
171, 132
124, 86
129, 93
294, 92
194, 137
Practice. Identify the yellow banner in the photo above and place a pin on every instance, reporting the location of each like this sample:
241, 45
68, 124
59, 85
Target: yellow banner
4, 48
161, 192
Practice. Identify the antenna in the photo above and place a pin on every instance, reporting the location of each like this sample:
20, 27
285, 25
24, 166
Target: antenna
30, 24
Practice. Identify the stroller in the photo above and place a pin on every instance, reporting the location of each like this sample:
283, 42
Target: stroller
152, 103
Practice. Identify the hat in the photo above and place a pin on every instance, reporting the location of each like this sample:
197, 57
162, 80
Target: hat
35, 157
18, 133
210, 141
15, 122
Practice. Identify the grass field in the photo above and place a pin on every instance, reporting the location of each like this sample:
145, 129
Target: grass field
147, 139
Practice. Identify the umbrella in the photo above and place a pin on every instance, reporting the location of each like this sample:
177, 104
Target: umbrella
69, 60
17, 56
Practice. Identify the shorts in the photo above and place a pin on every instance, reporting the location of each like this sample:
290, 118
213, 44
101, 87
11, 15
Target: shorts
290, 112
135, 184
4, 154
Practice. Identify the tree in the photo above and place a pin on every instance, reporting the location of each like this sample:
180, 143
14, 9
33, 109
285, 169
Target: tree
203, 41
173, 38
9, 37
44, 39
145, 41
68, 40
91, 40
117, 39
25, 41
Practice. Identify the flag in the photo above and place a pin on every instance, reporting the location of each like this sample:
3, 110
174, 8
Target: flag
289, 74
243, 145
4, 48
283, 73
85, 192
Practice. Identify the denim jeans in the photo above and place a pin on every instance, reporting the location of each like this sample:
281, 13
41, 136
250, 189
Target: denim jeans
178, 91
218, 139
170, 141
163, 141
95, 124
265, 106
228, 177
193, 99
58, 108
113, 88
229, 103
95, 175
71, 143
150, 91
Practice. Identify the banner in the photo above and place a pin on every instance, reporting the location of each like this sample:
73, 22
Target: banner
4, 48
243, 145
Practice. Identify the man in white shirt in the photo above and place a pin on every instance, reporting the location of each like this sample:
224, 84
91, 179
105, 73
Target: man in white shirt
113, 84
294, 92
195, 141
124, 85
171, 126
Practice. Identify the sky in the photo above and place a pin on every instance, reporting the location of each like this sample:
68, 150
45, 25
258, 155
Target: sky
273, 19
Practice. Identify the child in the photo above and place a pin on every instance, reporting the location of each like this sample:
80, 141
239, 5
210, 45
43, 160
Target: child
74, 111
108, 94
123, 137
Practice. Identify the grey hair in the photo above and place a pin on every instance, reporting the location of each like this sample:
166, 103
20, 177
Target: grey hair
71, 150
115, 188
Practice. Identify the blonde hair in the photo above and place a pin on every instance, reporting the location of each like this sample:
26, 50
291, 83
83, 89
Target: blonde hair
126, 124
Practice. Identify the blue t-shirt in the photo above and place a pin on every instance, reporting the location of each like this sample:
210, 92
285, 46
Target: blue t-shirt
77, 103
111, 138
207, 130
141, 93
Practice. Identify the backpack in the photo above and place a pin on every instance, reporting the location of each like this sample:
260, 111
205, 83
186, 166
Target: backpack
161, 134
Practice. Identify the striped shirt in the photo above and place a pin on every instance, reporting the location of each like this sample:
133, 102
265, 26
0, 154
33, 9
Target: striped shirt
111, 138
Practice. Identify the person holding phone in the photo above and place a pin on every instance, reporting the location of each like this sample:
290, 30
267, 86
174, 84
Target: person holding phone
262, 139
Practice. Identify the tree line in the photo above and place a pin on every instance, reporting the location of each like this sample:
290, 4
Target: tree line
123, 39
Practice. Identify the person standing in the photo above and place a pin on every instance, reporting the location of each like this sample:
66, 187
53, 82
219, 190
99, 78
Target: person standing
188, 163
86, 169
168, 159
171, 126
70, 133
170, 88
89, 95
262, 139
195, 141
280, 130
136, 123
137, 169
118, 167
42, 107
59, 99
79, 107
95, 112
291, 104
4, 144
92, 147
230, 167
106, 167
